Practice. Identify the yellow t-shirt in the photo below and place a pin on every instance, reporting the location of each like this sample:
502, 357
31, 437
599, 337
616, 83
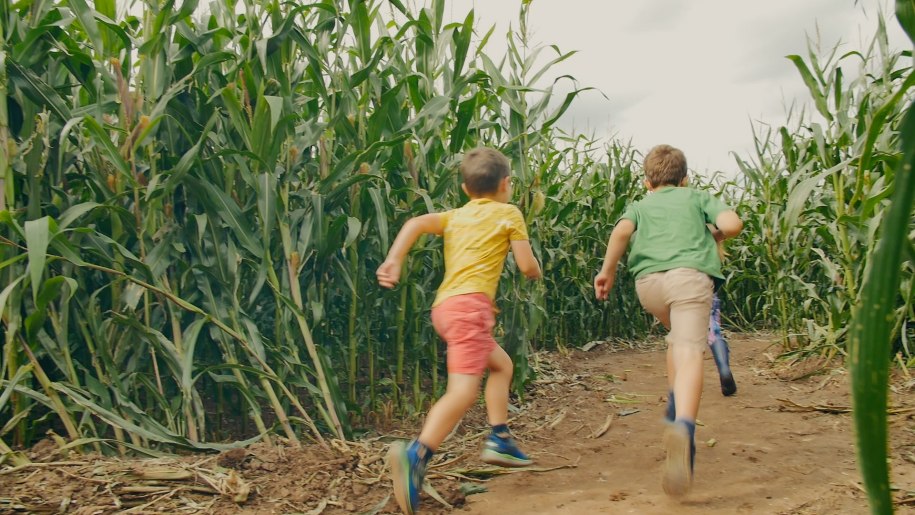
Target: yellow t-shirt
477, 239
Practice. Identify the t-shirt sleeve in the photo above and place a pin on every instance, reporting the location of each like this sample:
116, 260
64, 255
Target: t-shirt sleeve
631, 213
517, 229
445, 217
711, 206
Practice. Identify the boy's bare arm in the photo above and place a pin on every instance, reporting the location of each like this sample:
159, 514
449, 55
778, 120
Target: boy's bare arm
729, 224
524, 258
389, 272
619, 240
718, 235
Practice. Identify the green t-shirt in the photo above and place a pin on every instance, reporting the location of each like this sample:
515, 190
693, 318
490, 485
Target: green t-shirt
671, 232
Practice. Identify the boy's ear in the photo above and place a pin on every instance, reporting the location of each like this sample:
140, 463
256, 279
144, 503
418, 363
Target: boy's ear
647, 184
505, 183
685, 181
464, 187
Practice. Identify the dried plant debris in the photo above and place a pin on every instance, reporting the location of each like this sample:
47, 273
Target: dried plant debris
344, 477
351, 477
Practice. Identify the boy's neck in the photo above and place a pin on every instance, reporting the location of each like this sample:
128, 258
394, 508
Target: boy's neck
663, 186
684, 182
492, 197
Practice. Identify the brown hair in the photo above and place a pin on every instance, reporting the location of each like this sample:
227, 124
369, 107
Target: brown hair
665, 165
482, 169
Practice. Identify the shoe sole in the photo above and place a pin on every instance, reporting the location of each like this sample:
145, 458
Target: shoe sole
677, 476
503, 460
400, 476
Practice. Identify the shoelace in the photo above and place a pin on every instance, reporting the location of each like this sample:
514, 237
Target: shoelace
504, 444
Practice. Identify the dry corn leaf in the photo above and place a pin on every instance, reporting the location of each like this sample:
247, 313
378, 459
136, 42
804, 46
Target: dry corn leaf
162, 473
604, 428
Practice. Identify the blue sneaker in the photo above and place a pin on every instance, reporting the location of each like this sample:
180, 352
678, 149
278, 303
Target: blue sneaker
679, 442
408, 468
502, 450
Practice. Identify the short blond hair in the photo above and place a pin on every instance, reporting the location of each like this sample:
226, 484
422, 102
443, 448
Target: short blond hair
665, 166
482, 169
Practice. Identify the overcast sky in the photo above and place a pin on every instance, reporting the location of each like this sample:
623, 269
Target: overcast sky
689, 73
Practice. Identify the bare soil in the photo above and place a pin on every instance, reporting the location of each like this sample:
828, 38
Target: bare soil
593, 423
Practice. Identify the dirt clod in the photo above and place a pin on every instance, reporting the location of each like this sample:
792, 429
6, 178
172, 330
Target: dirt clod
232, 459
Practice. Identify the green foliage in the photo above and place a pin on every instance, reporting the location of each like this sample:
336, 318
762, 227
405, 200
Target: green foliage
870, 336
195, 205
870, 333
815, 198
829, 207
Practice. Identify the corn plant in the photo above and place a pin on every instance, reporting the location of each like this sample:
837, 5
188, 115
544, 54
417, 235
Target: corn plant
815, 197
871, 334
194, 204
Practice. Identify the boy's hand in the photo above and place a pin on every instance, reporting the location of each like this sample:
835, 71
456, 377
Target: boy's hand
524, 258
616, 247
389, 273
603, 283
722, 254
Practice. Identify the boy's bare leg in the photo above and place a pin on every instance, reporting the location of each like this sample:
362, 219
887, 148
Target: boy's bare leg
679, 436
690, 295
500, 447
671, 369
460, 394
408, 462
688, 314
653, 298
497, 386
663, 316
687, 379
686, 347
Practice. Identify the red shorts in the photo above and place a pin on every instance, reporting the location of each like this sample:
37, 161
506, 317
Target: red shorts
465, 322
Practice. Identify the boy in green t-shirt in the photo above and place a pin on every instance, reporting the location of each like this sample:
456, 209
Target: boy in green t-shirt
675, 262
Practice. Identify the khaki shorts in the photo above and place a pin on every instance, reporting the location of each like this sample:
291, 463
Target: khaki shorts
681, 299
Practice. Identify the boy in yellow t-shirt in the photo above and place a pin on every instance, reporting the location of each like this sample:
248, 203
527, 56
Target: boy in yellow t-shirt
478, 237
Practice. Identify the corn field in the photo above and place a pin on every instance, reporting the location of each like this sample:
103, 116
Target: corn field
195, 207
815, 197
193, 203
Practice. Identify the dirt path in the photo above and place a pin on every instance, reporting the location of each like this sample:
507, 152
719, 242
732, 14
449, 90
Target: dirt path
758, 453
754, 456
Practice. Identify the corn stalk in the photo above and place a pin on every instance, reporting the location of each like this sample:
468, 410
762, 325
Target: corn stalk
870, 338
